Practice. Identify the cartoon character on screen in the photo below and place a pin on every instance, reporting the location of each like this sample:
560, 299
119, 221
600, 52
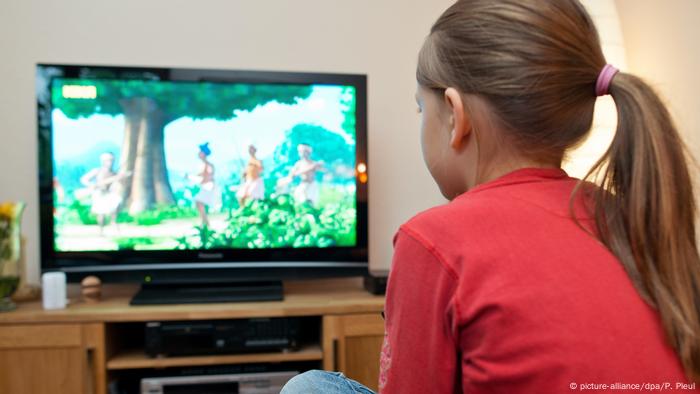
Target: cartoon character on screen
209, 192
305, 168
104, 187
253, 187
59, 193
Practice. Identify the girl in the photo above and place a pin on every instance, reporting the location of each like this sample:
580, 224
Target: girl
530, 281
305, 168
253, 187
209, 193
103, 183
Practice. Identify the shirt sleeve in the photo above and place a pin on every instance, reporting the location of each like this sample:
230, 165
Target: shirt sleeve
420, 353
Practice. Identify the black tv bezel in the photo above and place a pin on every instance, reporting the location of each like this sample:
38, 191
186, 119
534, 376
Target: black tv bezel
204, 265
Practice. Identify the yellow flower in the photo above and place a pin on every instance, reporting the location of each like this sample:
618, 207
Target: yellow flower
11, 210
10, 214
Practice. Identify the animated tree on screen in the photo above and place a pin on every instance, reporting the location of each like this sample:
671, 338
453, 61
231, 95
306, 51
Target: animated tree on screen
152, 165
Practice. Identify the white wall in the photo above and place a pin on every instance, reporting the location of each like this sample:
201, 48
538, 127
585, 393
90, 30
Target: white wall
662, 47
579, 161
378, 38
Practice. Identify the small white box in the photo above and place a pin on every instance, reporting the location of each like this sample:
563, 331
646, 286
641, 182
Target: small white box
53, 290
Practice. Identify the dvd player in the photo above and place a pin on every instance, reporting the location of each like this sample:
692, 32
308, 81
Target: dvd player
254, 383
186, 338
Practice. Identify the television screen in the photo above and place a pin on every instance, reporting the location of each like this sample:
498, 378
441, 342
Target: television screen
168, 165
173, 175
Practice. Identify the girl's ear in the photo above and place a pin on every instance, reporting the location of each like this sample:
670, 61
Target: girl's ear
460, 121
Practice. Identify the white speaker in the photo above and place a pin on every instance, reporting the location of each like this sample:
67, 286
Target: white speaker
54, 290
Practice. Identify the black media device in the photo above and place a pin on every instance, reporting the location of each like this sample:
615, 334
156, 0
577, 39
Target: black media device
201, 185
376, 284
181, 338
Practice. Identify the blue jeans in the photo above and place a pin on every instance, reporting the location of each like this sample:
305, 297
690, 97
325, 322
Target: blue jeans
322, 382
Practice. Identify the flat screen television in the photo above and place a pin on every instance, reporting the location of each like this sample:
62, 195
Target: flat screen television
212, 184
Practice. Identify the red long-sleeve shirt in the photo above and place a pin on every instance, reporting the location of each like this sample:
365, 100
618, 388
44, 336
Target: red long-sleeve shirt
500, 291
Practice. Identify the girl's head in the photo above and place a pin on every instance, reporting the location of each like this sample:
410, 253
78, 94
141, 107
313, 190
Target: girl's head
517, 77
107, 160
304, 151
512, 83
204, 151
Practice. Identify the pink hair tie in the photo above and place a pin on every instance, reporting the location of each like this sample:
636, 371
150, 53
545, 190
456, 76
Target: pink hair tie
604, 78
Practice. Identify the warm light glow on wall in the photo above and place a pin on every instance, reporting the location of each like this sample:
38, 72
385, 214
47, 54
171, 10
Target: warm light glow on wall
581, 159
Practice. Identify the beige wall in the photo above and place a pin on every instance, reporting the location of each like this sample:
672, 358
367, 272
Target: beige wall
379, 38
662, 44
661, 39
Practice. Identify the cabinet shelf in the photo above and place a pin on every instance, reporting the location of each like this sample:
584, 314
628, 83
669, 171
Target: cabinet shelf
136, 358
90, 347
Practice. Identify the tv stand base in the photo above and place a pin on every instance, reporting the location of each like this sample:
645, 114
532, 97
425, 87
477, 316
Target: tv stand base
155, 294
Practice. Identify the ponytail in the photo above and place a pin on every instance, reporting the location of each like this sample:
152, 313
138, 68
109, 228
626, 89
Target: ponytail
645, 213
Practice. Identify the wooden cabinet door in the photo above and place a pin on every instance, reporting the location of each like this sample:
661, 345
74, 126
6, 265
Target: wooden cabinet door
50, 358
39, 371
352, 344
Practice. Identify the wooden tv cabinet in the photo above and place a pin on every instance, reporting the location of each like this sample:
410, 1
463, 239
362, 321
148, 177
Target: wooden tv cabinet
87, 347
